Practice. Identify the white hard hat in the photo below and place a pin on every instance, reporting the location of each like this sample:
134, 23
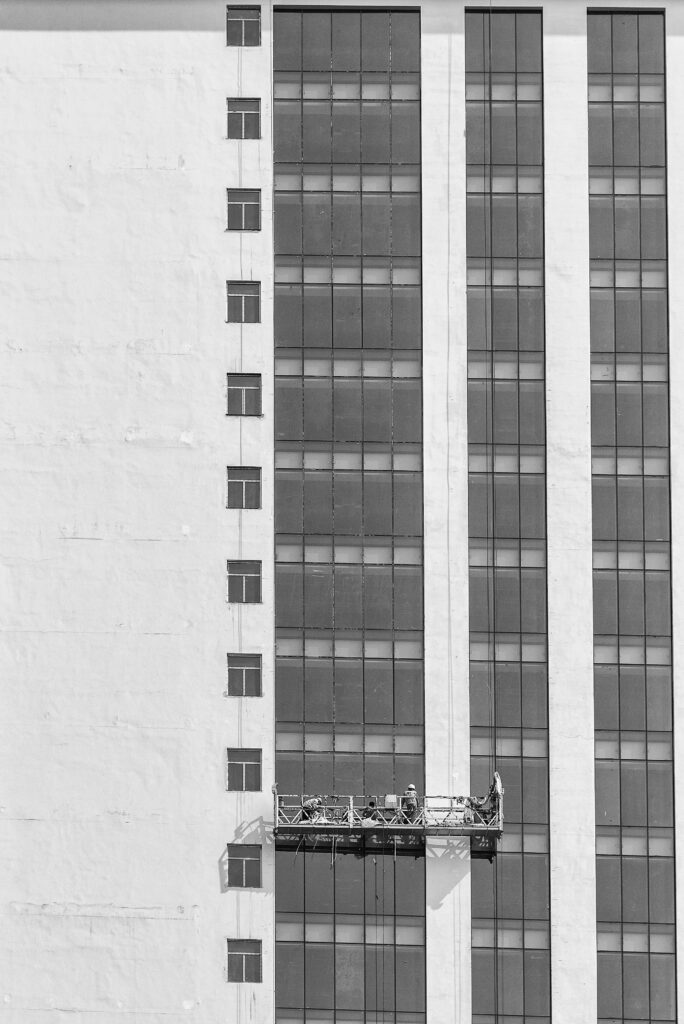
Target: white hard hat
411, 786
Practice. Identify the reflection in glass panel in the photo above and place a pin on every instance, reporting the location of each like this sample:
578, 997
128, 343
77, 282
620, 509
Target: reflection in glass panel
506, 419
634, 783
349, 674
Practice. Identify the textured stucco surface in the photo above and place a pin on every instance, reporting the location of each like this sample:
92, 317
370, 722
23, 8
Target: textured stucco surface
115, 535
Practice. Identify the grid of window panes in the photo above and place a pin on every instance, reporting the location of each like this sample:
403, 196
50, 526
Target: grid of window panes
350, 937
243, 26
244, 675
632, 619
244, 118
244, 960
349, 581
244, 394
507, 521
243, 866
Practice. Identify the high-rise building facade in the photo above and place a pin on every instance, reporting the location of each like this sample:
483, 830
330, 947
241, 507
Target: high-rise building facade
343, 460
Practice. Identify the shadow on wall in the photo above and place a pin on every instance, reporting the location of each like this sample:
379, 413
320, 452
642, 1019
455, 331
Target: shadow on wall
255, 832
447, 864
112, 15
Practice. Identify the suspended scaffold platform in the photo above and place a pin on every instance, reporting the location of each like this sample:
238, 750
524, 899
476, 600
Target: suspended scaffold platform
392, 815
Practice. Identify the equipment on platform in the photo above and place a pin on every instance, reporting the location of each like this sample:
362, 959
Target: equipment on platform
392, 815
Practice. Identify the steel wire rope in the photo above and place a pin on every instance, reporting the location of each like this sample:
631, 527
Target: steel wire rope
375, 873
362, 396
490, 501
391, 398
382, 985
490, 509
333, 537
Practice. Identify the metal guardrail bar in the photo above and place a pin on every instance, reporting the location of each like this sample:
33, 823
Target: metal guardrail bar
433, 815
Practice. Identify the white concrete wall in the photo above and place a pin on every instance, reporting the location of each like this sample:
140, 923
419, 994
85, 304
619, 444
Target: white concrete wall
115, 534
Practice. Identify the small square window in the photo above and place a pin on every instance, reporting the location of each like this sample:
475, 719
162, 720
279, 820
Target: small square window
244, 302
244, 960
244, 675
244, 119
244, 487
244, 770
244, 582
244, 394
244, 209
243, 26
244, 866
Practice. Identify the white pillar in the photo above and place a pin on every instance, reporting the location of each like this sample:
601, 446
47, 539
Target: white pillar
569, 523
446, 501
249, 534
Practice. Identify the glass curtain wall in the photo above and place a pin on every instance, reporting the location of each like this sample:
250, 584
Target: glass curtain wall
631, 535
349, 548
507, 521
350, 934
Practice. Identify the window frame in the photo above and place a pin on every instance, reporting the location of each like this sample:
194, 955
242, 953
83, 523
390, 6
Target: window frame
244, 388
244, 481
241, 292
242, 954
240, 765
239, 110
244, 853
244, 575
244, 668
243, 20
242, 205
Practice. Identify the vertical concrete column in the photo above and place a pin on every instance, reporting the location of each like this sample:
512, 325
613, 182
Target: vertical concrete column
446, 500
249, 534
570, 625
674, 54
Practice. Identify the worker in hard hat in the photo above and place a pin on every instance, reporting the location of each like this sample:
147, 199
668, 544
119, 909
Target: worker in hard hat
370, 814
409, 803
311, 808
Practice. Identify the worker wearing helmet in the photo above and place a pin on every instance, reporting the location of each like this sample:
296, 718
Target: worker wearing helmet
311, 808
369, 814
409, 803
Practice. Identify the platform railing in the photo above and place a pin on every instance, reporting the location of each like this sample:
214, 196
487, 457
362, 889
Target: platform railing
392, 814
